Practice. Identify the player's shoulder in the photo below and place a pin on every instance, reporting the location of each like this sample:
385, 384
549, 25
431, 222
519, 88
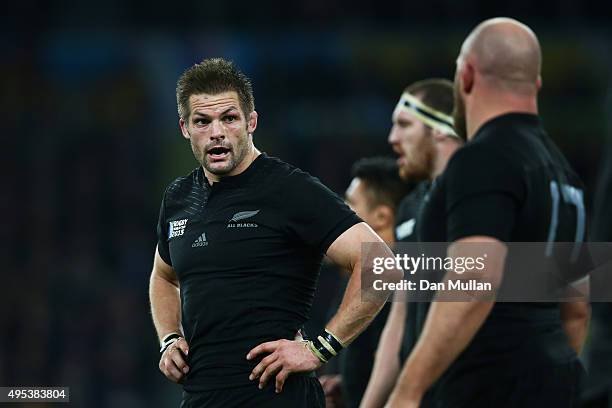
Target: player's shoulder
414, 197
275, 166
481, 154
286, 172
408, 208
294, 184
183, 185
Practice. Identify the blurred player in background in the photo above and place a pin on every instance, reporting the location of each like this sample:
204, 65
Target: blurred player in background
374, 194
599, 351
497, 189
423, 137
240, 242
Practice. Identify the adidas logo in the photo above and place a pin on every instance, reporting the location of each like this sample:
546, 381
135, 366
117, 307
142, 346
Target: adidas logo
200, 242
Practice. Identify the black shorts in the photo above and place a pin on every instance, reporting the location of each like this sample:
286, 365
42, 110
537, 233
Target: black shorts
557, 385
299, 391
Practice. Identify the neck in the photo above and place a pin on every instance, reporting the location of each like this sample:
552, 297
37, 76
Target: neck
488, 105
241, 167
445, 149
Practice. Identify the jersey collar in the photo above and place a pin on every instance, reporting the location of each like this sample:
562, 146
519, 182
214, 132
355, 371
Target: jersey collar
512, 118
238, 179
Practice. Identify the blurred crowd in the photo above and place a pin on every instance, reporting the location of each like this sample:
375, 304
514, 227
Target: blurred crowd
90, 140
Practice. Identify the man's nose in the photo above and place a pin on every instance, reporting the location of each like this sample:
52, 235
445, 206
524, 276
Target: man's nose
217, 130
392, 139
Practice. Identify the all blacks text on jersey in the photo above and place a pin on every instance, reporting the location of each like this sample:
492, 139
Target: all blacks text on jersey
239, 216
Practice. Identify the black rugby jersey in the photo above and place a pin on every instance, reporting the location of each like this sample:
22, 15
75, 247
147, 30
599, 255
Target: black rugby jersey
247, 252
599, 349
511, 183
407, 222
407, 214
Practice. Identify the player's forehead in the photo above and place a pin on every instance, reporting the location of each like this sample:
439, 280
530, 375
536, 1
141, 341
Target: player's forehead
404, 115
211, 104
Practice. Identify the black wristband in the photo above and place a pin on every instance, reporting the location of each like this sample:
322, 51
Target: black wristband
326, 346
333, 341
323, 350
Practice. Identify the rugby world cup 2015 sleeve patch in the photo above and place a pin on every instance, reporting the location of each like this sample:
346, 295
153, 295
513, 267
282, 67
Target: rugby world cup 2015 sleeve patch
176, 228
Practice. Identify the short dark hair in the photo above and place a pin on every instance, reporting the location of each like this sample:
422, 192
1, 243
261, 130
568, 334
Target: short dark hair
437, 93
213, 76
382, 180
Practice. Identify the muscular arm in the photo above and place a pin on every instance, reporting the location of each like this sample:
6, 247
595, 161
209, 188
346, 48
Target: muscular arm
354, 315
575, 319
164, 298
449, 328
285, 356
387, 363
166, 312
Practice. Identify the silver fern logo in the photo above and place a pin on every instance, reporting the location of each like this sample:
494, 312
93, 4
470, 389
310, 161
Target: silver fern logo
242, 215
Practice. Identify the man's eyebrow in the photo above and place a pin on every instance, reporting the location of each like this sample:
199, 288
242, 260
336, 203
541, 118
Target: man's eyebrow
196, 113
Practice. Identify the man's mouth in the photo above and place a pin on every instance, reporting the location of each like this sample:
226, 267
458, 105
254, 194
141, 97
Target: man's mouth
400, 155
218, 152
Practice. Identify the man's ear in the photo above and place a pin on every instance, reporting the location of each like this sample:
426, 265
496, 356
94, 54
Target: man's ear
252, 123
467, 76
383, 217
184, 130
438, 136
539, 83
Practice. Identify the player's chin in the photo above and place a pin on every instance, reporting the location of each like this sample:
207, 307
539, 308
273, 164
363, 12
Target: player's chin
220, 167
412, 174
406, 172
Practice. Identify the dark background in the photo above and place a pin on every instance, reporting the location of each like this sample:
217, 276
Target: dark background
90, 139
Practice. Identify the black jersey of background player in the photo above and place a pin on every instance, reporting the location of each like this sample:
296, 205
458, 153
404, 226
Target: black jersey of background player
247, 252
511, 183
407, 219
599, 349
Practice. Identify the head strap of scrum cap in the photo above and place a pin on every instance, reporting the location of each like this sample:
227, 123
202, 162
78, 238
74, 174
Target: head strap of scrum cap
429, 116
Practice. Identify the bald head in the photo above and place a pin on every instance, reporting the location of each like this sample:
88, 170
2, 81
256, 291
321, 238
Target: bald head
505, 51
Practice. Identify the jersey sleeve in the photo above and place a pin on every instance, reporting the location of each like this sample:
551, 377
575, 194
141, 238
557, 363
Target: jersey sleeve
314, 213
162, 234
484, 192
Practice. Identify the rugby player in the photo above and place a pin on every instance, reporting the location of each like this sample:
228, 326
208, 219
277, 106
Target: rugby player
240, 242
423, 136
374, 194
508, 183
